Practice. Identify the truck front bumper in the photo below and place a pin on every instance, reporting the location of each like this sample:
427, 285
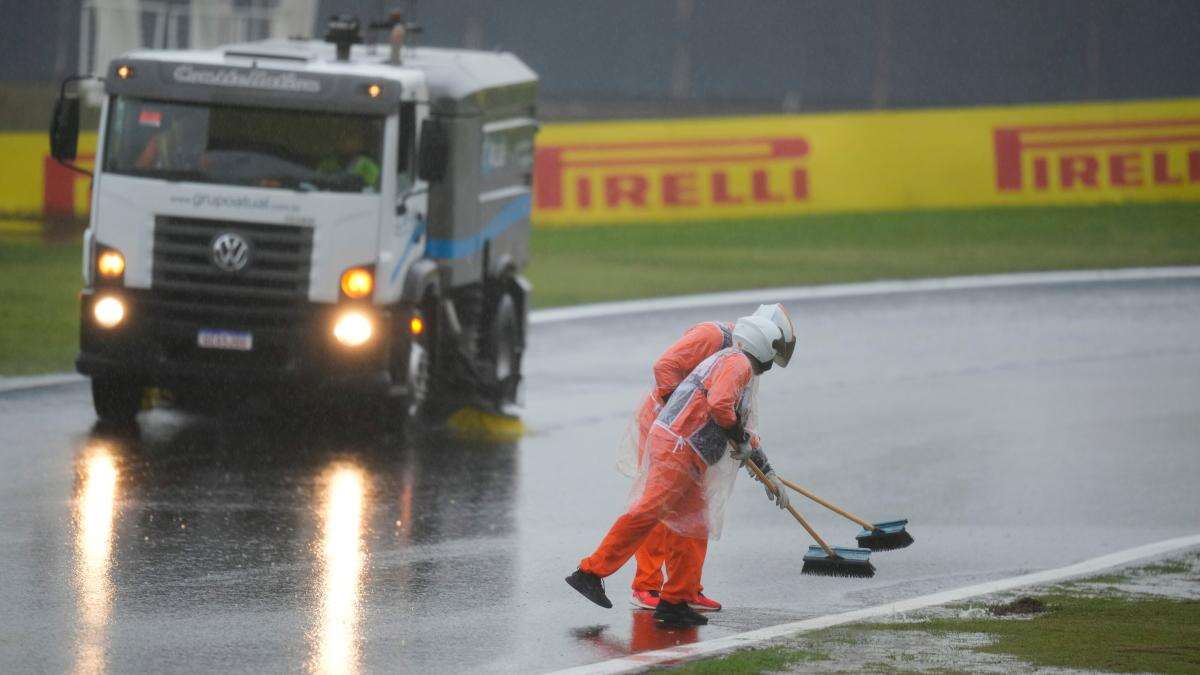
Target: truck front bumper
155, 348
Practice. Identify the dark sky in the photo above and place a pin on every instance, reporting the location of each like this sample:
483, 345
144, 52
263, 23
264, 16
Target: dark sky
774, 53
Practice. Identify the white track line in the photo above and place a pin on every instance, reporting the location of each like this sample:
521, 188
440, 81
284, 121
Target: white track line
785, 294
637, 662
792, 293
8, 384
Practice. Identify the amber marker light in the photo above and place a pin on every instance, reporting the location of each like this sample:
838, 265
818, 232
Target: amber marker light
124, 72
358, 282
110, 264
416, 325
374, 91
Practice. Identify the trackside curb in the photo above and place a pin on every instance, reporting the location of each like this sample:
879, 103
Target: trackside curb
10, 384
782, 294
795, 293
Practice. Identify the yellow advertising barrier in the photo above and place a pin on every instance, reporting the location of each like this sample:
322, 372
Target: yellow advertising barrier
741, 167
757, 166
31, 183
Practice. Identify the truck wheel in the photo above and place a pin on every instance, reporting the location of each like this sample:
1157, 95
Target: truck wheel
116, 401
418, 376
506, 348
421, 370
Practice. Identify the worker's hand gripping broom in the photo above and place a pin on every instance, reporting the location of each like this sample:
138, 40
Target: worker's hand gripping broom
823, 559
884, 536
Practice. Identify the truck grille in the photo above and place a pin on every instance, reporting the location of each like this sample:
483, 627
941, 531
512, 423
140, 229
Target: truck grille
270, 291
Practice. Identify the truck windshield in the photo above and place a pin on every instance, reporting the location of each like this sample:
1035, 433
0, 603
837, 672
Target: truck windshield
235, 145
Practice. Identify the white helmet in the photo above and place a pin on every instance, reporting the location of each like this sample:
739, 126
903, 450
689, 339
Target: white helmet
757, 337
778, 315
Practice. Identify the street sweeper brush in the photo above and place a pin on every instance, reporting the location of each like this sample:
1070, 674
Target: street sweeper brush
822, 559
886, 536
838, 562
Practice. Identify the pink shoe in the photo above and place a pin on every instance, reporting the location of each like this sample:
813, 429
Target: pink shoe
645, 599
703, 603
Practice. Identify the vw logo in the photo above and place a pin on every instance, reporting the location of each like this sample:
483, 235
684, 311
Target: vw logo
230, 252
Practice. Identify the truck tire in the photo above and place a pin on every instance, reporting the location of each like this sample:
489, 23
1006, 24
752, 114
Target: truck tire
116, 401
505, 347
423, 390
417, 376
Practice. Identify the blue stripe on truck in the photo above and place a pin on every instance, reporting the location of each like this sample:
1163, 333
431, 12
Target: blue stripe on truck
513, 212
418, 232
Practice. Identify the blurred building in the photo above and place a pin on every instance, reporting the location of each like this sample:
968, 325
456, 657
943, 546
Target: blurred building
606, 58
43, 42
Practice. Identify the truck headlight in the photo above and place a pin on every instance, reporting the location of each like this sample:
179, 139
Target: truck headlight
110, 264
353, 328
108, 311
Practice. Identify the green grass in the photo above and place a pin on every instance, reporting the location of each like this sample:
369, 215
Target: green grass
38, 283
587, 264
1169, 567
39, 306
769, 660
1114, 634
1107, 579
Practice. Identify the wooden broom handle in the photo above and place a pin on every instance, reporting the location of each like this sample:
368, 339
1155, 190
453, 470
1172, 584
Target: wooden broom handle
867, 526
762, 478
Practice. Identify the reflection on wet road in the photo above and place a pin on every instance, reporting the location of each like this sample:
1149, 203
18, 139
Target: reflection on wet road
252, 545
341, 568
95, 505
1018, 429
644, 636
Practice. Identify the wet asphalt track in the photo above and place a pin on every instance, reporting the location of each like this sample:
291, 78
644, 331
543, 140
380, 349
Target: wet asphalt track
1018, 428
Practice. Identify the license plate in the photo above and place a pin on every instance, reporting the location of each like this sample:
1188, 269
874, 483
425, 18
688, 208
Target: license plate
225, 339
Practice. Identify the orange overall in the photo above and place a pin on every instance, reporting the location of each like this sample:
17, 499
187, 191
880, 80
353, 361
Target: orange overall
698, 343
677, 456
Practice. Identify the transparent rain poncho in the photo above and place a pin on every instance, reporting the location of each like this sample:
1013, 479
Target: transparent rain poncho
697, 344
631, 450
671, 479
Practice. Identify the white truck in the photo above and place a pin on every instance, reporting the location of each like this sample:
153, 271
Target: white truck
300, 216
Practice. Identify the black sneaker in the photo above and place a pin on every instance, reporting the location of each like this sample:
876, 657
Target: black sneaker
677, 615
589, 586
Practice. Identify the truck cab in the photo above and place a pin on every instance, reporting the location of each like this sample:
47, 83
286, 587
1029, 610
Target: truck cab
305, 215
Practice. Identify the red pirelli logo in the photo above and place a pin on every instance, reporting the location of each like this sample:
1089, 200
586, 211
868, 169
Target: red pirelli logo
666, 175
60, 186
1119, 155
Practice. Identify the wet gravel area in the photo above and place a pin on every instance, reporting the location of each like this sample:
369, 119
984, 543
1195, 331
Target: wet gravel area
862, 648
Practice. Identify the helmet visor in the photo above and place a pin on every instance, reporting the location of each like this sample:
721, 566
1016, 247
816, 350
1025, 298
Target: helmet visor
783, 351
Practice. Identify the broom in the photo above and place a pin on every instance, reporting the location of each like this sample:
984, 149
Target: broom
824, 560
884, 536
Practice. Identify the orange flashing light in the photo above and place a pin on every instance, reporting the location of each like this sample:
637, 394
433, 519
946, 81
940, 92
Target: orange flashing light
110, 264
357, 282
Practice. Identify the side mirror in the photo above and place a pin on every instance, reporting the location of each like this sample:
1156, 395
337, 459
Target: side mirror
64, 127
433, 154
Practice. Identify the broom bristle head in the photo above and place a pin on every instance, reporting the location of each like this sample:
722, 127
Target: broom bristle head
885, 542
846, 562
887, 536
